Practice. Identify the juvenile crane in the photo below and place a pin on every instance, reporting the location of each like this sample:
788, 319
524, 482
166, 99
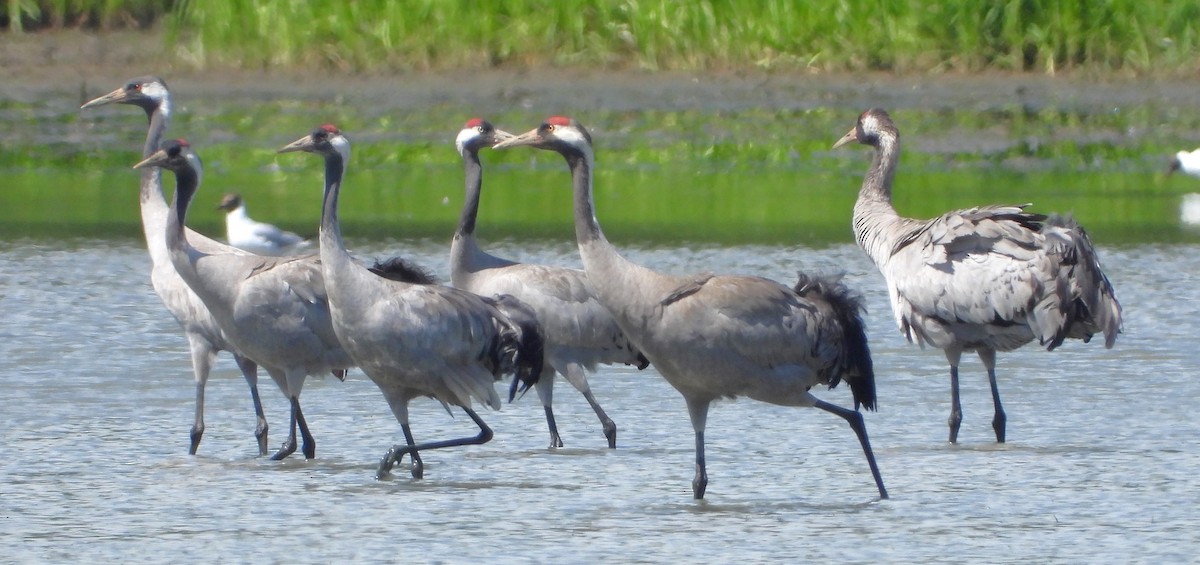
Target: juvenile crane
580, 333
987, 279
714, 336
274, 309
417, 340
248, 234
204, 336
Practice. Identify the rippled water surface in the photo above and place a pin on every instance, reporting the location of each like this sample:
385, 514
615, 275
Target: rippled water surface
1101, 465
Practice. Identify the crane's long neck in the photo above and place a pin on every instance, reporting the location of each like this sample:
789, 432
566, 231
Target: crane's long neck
187, 181
153, 201
465, 255
875, 218
334, 256
473, 171
622, 286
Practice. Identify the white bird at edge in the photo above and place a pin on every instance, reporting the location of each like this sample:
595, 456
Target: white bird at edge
247, 234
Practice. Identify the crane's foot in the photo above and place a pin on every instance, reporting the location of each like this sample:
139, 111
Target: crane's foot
310, 450
699, 484
955, 422
260, 434
555, 440
610, 432
998, 424
288, 448
418, 466
389, 460
196, 434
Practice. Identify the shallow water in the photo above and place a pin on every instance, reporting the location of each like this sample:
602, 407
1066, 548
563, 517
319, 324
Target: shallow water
1101, 464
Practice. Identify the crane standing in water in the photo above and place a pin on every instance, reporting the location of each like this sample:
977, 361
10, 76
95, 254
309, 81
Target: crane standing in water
987, 279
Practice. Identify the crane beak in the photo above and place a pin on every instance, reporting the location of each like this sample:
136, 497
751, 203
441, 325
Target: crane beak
500, 136
115, 97
154, 160
303, 144
852, 135
530, 137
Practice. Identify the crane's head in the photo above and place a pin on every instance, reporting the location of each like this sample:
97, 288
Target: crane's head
872, 125
326, 139
230, 202
477, 134
146, 92
557, 133
174, 155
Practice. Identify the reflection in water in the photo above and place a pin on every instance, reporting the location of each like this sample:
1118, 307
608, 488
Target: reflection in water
96, 407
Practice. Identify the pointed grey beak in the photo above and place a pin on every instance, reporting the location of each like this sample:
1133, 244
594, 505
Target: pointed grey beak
115, 97
849, 137
303, 144
501, 136
152, 161
530, 137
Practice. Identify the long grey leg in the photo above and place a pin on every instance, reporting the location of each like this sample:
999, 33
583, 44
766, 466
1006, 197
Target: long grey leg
999, 421
250, 372
855, 420
954, 356
698, 412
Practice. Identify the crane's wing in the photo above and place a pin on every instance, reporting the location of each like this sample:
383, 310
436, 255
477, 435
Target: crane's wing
983, 266
567, 310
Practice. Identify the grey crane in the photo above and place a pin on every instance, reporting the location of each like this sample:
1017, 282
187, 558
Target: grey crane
987, 279
204, 336
248, 234
274, 309
714, 336
417, 340
580, 333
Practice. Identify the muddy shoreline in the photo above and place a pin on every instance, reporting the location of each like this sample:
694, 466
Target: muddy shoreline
78, 64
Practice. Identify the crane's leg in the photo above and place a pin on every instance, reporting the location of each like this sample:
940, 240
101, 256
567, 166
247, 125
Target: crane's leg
954, 356
578, 379
289, 444
309, 447
418, 466
250, 372
203, 355
698, 412
545, 391
855, 420
396, 453
988, 356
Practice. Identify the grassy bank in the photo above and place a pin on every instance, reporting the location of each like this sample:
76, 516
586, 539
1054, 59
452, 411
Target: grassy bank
1045, 36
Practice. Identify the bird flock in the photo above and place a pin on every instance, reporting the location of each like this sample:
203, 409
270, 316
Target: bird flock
983, 280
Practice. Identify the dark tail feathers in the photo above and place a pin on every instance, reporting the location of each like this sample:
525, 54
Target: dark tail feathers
1094, 306
403, 270
521, 347
855, 365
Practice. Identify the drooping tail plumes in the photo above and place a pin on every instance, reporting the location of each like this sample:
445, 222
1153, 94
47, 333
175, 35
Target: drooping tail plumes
1092, 305
854, 363
520, 347
403, 270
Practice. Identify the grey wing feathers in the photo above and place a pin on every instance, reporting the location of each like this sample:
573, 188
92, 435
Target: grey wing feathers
997, 267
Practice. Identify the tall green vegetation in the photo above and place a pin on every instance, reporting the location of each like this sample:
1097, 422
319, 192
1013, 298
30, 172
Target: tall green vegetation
835, 35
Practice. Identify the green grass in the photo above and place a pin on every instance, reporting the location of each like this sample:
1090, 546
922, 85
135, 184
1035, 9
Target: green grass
1045, 36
